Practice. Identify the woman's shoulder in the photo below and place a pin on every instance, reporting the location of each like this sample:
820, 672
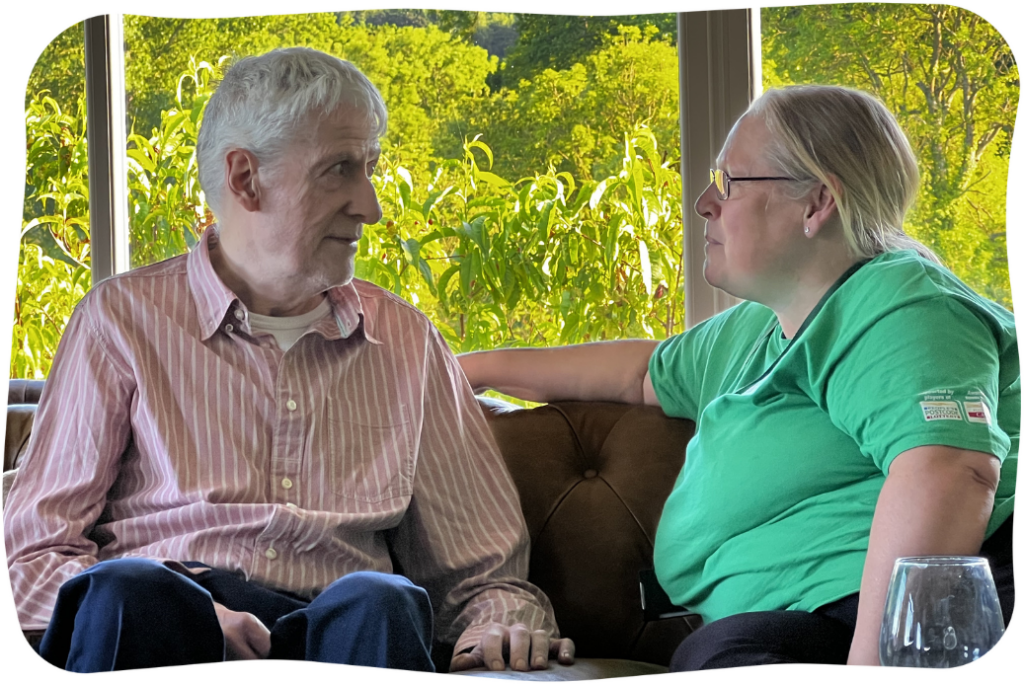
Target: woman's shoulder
900, 279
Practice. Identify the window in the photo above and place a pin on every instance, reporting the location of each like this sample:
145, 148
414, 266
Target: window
530, 185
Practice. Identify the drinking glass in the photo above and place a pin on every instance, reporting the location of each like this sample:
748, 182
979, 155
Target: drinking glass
941, 611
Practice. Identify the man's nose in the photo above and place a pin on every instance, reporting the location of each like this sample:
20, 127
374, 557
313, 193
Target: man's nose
708, 204
364, 205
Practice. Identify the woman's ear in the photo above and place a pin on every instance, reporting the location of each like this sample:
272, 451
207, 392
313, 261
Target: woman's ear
242, 183
821, 206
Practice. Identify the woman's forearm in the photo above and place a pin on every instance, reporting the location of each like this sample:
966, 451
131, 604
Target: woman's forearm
599, 371
936, 501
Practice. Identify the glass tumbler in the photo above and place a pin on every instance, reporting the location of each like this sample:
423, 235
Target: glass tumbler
941, 611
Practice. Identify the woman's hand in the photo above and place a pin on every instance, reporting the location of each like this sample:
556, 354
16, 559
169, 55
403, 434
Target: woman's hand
937, 500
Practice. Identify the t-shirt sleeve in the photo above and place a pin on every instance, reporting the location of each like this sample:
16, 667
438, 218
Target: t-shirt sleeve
676, 369
924, 374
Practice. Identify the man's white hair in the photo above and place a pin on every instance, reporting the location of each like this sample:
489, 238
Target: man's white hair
265, 103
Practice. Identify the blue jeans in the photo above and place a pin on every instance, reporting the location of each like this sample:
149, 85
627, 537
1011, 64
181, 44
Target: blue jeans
133, 613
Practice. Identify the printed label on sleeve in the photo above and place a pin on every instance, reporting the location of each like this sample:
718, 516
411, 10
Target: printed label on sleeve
977, 412
941, 410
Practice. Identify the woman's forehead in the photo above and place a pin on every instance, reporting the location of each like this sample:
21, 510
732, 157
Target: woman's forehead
745, 144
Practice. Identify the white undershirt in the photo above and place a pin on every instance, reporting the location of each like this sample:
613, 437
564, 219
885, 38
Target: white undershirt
287, 329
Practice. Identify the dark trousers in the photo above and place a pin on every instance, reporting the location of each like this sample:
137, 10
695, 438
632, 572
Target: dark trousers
134, 613
823, 636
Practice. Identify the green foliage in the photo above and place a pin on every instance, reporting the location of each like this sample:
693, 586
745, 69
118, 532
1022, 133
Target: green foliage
573, 119
542, 261
548, 41
427, 76
952, 82
53, 266
64, 73
166, 210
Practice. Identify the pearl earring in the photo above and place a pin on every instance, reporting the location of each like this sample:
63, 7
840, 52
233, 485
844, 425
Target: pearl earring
807, 230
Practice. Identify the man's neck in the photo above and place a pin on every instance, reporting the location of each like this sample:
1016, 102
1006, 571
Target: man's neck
259, 294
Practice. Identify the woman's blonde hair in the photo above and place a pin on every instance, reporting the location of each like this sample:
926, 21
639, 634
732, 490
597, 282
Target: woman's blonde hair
828, 134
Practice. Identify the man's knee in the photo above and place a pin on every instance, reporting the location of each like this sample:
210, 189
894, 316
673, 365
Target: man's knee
135, 580
378, 592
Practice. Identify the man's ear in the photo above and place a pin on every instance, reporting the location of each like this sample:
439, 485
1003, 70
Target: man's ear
242, 179
821, 206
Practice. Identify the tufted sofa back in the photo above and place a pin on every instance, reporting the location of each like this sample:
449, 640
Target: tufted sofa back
593, 478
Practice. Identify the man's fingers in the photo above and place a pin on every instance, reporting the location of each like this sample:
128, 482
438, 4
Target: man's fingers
564, 650
257, 636
467, 661
492, 645
539, 650
519, 643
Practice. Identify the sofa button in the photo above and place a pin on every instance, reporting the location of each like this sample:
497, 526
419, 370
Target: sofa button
589, 474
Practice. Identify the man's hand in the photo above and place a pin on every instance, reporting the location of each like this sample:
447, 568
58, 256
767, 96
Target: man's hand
524, 649
245, 637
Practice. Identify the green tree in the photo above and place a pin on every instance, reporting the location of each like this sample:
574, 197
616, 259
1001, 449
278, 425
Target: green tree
952, 82
550, 41
427, 76
573, 119
60, 69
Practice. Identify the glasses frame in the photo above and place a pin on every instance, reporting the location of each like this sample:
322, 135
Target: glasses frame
721, 180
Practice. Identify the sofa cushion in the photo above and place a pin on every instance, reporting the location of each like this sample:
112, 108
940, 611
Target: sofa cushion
582, 669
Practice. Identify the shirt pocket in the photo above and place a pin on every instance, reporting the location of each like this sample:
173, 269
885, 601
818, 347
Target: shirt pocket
367, 460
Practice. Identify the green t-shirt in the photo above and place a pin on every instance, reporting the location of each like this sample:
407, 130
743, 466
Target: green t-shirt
773, 507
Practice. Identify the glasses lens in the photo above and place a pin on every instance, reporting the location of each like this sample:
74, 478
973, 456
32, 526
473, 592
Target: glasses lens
718, 179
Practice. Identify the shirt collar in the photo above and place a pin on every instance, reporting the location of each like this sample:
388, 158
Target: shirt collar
214, 301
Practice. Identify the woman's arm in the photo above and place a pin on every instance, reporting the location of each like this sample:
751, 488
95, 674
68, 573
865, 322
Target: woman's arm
599, 371
937, 500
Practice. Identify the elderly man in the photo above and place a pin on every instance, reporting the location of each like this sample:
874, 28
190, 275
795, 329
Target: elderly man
239, 450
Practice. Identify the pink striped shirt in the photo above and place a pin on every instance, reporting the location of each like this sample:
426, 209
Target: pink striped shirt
167, 431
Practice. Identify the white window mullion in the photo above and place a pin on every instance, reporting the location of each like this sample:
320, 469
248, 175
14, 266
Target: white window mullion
719, 75
107, 135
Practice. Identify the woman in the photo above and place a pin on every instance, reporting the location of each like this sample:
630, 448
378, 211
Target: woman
863, 404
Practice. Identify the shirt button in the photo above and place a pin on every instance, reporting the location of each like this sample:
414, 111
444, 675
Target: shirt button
286, 483
291, 505
228, 328
271, 553
238, 314
290, 403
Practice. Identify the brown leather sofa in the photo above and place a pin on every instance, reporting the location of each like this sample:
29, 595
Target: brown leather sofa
592, 478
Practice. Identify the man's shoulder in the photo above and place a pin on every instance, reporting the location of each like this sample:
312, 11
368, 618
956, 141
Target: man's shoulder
119, 291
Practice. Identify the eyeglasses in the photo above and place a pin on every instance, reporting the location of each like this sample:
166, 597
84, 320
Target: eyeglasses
720, 179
